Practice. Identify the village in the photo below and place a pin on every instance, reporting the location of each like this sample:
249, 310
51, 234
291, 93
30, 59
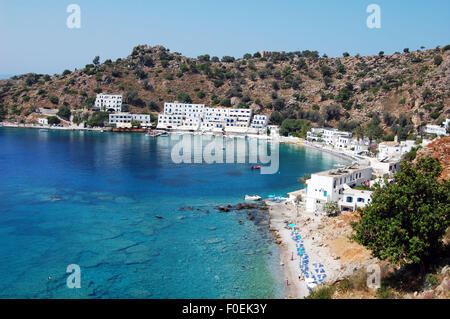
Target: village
346, 188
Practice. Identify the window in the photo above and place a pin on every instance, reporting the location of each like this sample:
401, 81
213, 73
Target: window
349, 199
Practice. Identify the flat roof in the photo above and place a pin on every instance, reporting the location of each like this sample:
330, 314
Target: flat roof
341, 171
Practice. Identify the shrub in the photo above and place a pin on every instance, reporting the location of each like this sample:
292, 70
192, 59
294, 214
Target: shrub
345, 285
438, 60
385, 292
54, 100
228, 59
184, 98
98, 119
64, 112
321, 292
407, 219
53, 120
148, 61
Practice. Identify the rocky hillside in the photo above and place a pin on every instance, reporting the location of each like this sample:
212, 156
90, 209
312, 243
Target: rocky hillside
440, 150
392, 93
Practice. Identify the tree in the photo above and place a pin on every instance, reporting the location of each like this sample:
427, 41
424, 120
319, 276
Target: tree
54, 100
227, 59
381, 53
407, 219
184, 98
148, 61
247, 56
438, 60
64, 112
345, 54
96, 60
98, 118
331, 112
406, 50
53, 120
276, 118
331, 208
135, 123
296, 127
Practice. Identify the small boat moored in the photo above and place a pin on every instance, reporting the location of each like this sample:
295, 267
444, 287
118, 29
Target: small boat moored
252, 198
256, 167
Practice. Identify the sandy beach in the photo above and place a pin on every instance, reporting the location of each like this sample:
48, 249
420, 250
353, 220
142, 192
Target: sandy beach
325, 241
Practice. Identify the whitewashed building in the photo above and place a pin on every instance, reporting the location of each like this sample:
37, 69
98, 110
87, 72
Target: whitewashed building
328, 186
352, 199
385, 168
43, 121
109, 103
123, 120
330, 136
436, 129
197, 117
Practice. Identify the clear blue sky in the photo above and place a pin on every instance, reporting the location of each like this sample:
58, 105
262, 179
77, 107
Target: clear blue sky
34, 36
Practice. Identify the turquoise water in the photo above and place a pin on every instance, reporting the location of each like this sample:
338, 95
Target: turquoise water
91, 199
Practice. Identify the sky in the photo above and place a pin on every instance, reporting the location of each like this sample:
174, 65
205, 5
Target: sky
34, 36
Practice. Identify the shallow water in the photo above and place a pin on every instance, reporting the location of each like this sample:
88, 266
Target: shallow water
91, 199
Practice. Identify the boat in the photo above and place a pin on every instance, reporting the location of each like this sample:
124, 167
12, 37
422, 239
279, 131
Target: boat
156, 133
256, 167
252, 198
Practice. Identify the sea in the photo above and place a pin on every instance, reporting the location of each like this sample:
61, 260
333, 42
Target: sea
112, 215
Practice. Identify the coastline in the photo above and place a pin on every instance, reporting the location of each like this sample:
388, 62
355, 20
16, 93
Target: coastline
281, 214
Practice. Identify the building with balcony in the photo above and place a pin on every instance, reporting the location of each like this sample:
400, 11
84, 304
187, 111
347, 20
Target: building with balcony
109, 103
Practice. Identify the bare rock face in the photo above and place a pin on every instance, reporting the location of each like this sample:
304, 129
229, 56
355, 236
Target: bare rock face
440, 150
235, 101
255, 107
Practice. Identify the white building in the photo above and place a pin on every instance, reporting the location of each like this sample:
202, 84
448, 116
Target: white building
354, 198
394, 149
195, 117
385, 168
109, 103
436, 129
124, 119
330, 136
43, 121
259, 121
328, 186
315, 134
446, 123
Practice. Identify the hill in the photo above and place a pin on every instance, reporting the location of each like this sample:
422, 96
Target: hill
378, 95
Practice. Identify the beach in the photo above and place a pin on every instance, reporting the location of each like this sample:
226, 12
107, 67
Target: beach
331, 255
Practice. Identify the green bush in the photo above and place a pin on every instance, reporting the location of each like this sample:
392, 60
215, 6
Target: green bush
321, 292
53, 120
64, 112
438, 60
385, 292
54, 100
345, 285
